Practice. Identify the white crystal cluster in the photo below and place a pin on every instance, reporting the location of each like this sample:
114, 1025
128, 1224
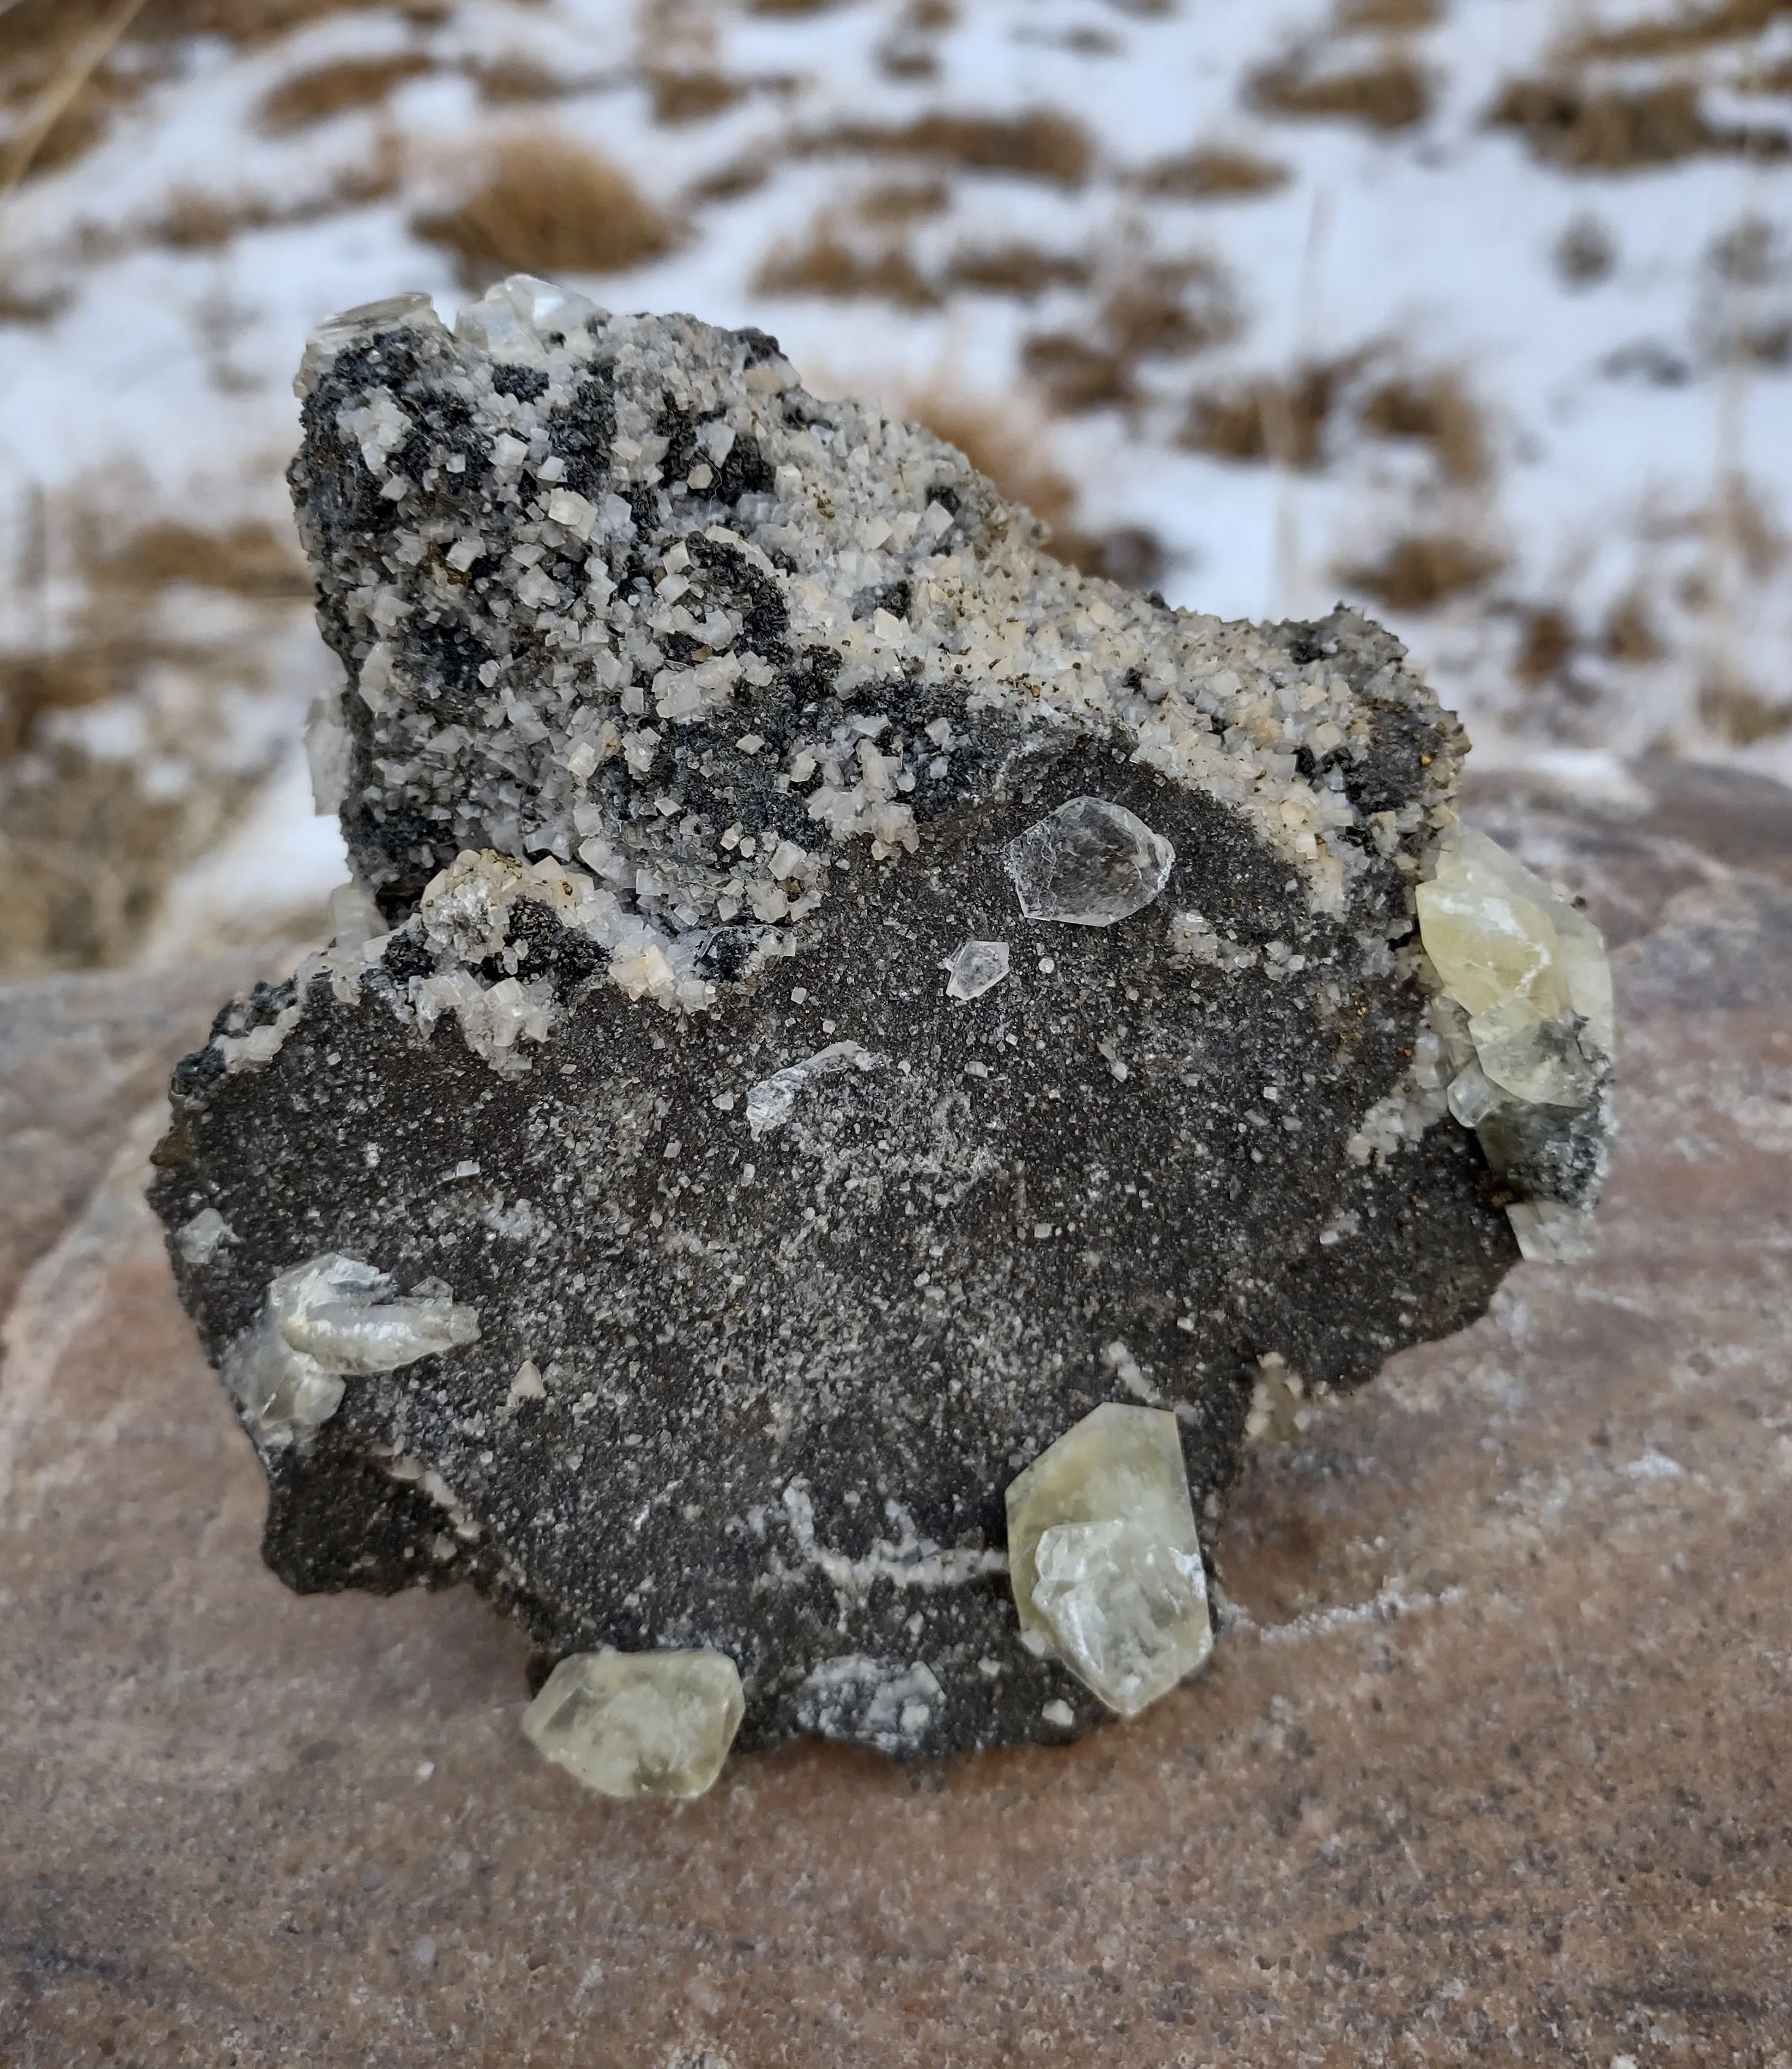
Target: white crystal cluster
584, 684
322, 1324
1104, 1559
1531, 1033
634, 1725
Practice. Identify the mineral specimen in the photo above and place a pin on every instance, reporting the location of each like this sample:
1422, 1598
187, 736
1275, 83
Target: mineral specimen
1104, 1558
641, 1723
841, 999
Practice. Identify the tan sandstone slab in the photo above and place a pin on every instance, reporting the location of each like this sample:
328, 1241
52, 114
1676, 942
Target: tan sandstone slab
1490, 1763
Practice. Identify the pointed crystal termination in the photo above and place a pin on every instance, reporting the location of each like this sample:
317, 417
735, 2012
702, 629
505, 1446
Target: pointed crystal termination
975, 968
1104, 1559
637, 1724
1533, 1049
1090, 863
326, 1321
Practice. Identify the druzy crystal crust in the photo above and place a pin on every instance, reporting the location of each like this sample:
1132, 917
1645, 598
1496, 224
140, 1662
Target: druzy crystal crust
845, 1032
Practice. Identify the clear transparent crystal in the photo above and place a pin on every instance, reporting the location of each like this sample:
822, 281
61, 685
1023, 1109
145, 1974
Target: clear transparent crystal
639, 1723
1104, 1559
769, 1102
1549, 1233
975, 968
1090, 863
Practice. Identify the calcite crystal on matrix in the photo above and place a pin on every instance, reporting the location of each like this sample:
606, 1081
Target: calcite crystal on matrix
832, 1003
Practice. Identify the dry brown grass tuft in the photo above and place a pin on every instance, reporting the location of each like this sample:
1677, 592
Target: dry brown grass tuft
1436, 408
86, 847
1149, 308
1270, 418
1016, 269
1075, 376
1393, 93
690, 96
1629, 631
1546, 643
902, 201
1422, 568
1609, 128
1386, 15
29, 26
505, 82
349, 84
251, 560
1212, 174
548, 206
828, 262
1690, 28
1042, 144
1168, 308
195, 220
1739, 713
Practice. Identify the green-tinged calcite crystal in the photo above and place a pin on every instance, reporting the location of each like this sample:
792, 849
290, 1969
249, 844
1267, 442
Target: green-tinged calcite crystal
1526, 1015
639, 1723
1104, 1557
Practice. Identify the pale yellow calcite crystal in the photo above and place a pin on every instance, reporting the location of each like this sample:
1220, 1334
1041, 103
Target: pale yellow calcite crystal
639, 1723
1104, 1559
1524, 965
1533, 1071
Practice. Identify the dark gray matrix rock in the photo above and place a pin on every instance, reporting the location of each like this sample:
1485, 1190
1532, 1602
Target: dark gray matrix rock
742, 697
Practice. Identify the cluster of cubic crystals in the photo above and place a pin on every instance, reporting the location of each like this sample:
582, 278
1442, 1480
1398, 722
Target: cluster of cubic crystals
325, 1322
1532, 1045
1091, 862
639, 1723
1104, 1560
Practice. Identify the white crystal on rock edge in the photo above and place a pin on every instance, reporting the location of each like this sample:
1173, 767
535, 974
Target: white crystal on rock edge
1549, 1233
197, 1239
975, 968
325, 1321
1529, 971
639, 1723
1089, 863
1104, 1558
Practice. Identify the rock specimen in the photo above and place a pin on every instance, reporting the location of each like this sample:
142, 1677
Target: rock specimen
835, 999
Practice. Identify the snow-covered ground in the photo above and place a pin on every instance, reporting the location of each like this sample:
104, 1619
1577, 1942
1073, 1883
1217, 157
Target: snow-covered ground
1594, 509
